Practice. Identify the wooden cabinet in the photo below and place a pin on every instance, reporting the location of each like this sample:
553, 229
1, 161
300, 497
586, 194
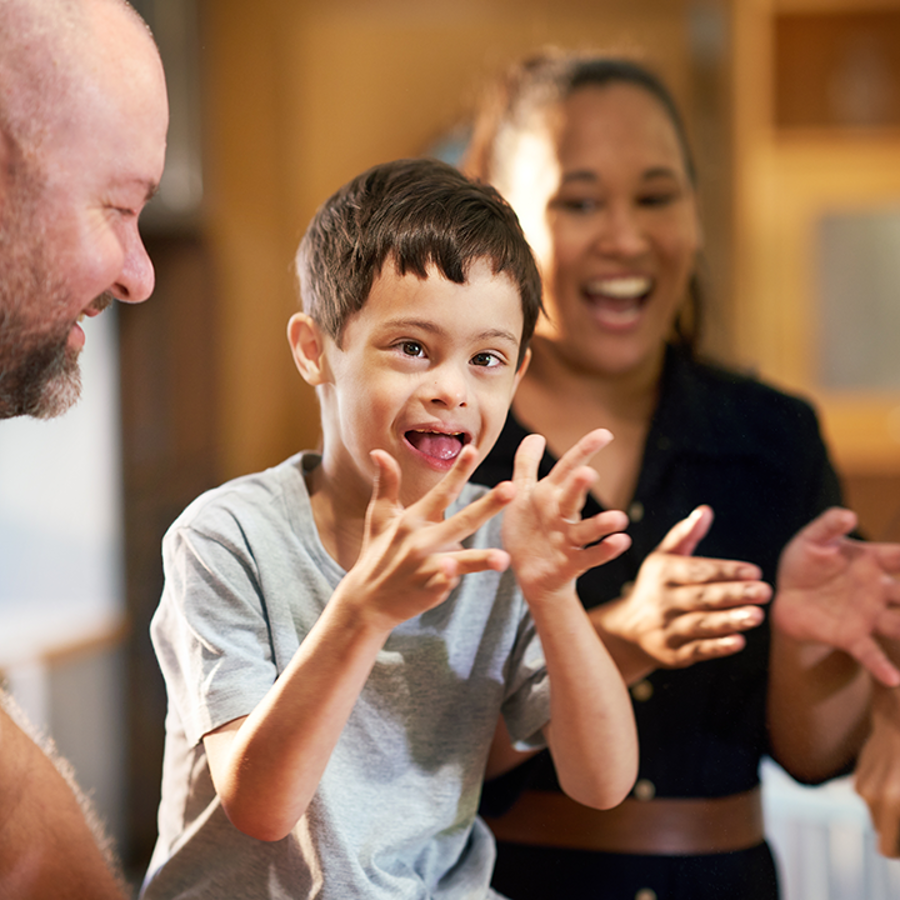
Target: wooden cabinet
817, 224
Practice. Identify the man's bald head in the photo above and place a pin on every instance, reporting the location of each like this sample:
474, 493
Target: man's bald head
42, 60
83, 117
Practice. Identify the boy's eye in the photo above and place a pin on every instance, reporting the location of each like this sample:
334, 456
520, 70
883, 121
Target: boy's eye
488, 360
412, 348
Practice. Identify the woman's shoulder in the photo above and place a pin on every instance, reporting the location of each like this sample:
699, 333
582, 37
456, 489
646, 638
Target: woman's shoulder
724, 412
740, 392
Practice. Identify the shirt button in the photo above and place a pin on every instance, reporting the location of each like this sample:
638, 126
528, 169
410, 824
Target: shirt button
636, 511
645, 894
645, 789
642, 691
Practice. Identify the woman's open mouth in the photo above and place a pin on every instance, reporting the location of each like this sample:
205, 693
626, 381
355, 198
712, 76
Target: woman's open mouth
617, 303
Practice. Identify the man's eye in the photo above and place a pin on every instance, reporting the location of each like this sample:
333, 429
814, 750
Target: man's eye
488, 360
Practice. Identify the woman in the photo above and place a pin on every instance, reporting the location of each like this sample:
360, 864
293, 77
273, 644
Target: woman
592, 155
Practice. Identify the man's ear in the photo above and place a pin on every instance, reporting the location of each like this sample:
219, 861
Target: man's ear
523, 368
308, 348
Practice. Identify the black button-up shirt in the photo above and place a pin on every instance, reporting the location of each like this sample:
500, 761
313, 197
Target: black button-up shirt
756, 457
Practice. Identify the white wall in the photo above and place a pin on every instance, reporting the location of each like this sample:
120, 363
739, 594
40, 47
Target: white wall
61, 586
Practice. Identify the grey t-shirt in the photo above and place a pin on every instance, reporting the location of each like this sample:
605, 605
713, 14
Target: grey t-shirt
395, 812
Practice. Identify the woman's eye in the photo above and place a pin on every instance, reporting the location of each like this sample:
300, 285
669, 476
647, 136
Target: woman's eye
412, 348
577, 204
488, 360
661, 198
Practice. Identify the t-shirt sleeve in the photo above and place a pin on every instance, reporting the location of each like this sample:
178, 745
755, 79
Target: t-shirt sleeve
211, 632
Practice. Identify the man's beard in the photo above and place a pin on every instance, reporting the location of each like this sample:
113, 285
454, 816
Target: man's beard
39, 373
45, 382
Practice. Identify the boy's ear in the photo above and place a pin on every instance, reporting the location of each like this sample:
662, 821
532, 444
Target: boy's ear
523, 368
307, 347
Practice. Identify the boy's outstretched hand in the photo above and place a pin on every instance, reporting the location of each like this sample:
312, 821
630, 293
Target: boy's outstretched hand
841, 592
412, 557
548, 541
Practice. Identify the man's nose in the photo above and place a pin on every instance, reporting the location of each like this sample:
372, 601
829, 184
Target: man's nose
136, 279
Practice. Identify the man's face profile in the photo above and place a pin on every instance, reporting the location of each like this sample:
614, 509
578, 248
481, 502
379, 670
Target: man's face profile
69, 241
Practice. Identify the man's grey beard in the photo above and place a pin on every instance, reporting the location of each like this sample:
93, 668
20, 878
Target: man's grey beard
45, 384
39, 373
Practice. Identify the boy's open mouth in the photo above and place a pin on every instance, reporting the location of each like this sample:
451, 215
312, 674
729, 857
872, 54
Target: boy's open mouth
438, 445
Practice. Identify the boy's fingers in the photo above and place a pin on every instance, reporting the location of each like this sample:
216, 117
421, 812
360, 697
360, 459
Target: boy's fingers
580, 454
470, 518
468, 561
598, 554
433, 504
588, 531
386, 487
574, 491
528, 458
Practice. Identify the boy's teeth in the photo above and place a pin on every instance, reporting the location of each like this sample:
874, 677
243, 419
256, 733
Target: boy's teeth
621, 288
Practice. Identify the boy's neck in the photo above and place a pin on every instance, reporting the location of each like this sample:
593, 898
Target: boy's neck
340, 519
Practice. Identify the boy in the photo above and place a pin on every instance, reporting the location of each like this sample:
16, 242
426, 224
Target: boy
340, 634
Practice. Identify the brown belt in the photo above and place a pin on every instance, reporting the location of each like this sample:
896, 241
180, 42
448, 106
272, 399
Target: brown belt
659, 827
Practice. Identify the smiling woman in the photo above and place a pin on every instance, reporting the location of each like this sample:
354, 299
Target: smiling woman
592, 155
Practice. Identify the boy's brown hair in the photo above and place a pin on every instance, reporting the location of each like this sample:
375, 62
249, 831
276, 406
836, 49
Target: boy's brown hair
415, 213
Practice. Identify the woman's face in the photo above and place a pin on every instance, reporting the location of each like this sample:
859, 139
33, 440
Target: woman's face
605, 200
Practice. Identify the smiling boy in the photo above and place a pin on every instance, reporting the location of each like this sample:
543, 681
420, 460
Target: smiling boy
340, 634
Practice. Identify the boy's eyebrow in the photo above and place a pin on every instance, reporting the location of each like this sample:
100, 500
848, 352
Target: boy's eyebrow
433, 328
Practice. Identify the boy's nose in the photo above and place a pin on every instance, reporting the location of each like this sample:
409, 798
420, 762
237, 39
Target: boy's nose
448, 389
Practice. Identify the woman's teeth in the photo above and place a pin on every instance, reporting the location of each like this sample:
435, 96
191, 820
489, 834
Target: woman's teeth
630, 288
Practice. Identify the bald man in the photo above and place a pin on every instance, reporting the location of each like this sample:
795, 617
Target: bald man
83, 120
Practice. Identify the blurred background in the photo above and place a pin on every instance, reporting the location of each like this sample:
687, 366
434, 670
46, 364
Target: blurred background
793, 109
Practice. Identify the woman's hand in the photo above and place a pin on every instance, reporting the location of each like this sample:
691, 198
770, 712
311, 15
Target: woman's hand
682, 609
878, 769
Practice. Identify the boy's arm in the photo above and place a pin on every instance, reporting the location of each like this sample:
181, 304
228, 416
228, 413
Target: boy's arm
833, 596
267, 766
591, 732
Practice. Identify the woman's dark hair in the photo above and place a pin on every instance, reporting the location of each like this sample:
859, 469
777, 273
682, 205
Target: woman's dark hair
516, 102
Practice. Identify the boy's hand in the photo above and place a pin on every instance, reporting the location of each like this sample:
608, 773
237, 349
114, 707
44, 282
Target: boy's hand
411, 558
549, 543
840, 592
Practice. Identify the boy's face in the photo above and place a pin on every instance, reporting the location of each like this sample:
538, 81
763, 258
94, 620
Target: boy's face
425, 367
